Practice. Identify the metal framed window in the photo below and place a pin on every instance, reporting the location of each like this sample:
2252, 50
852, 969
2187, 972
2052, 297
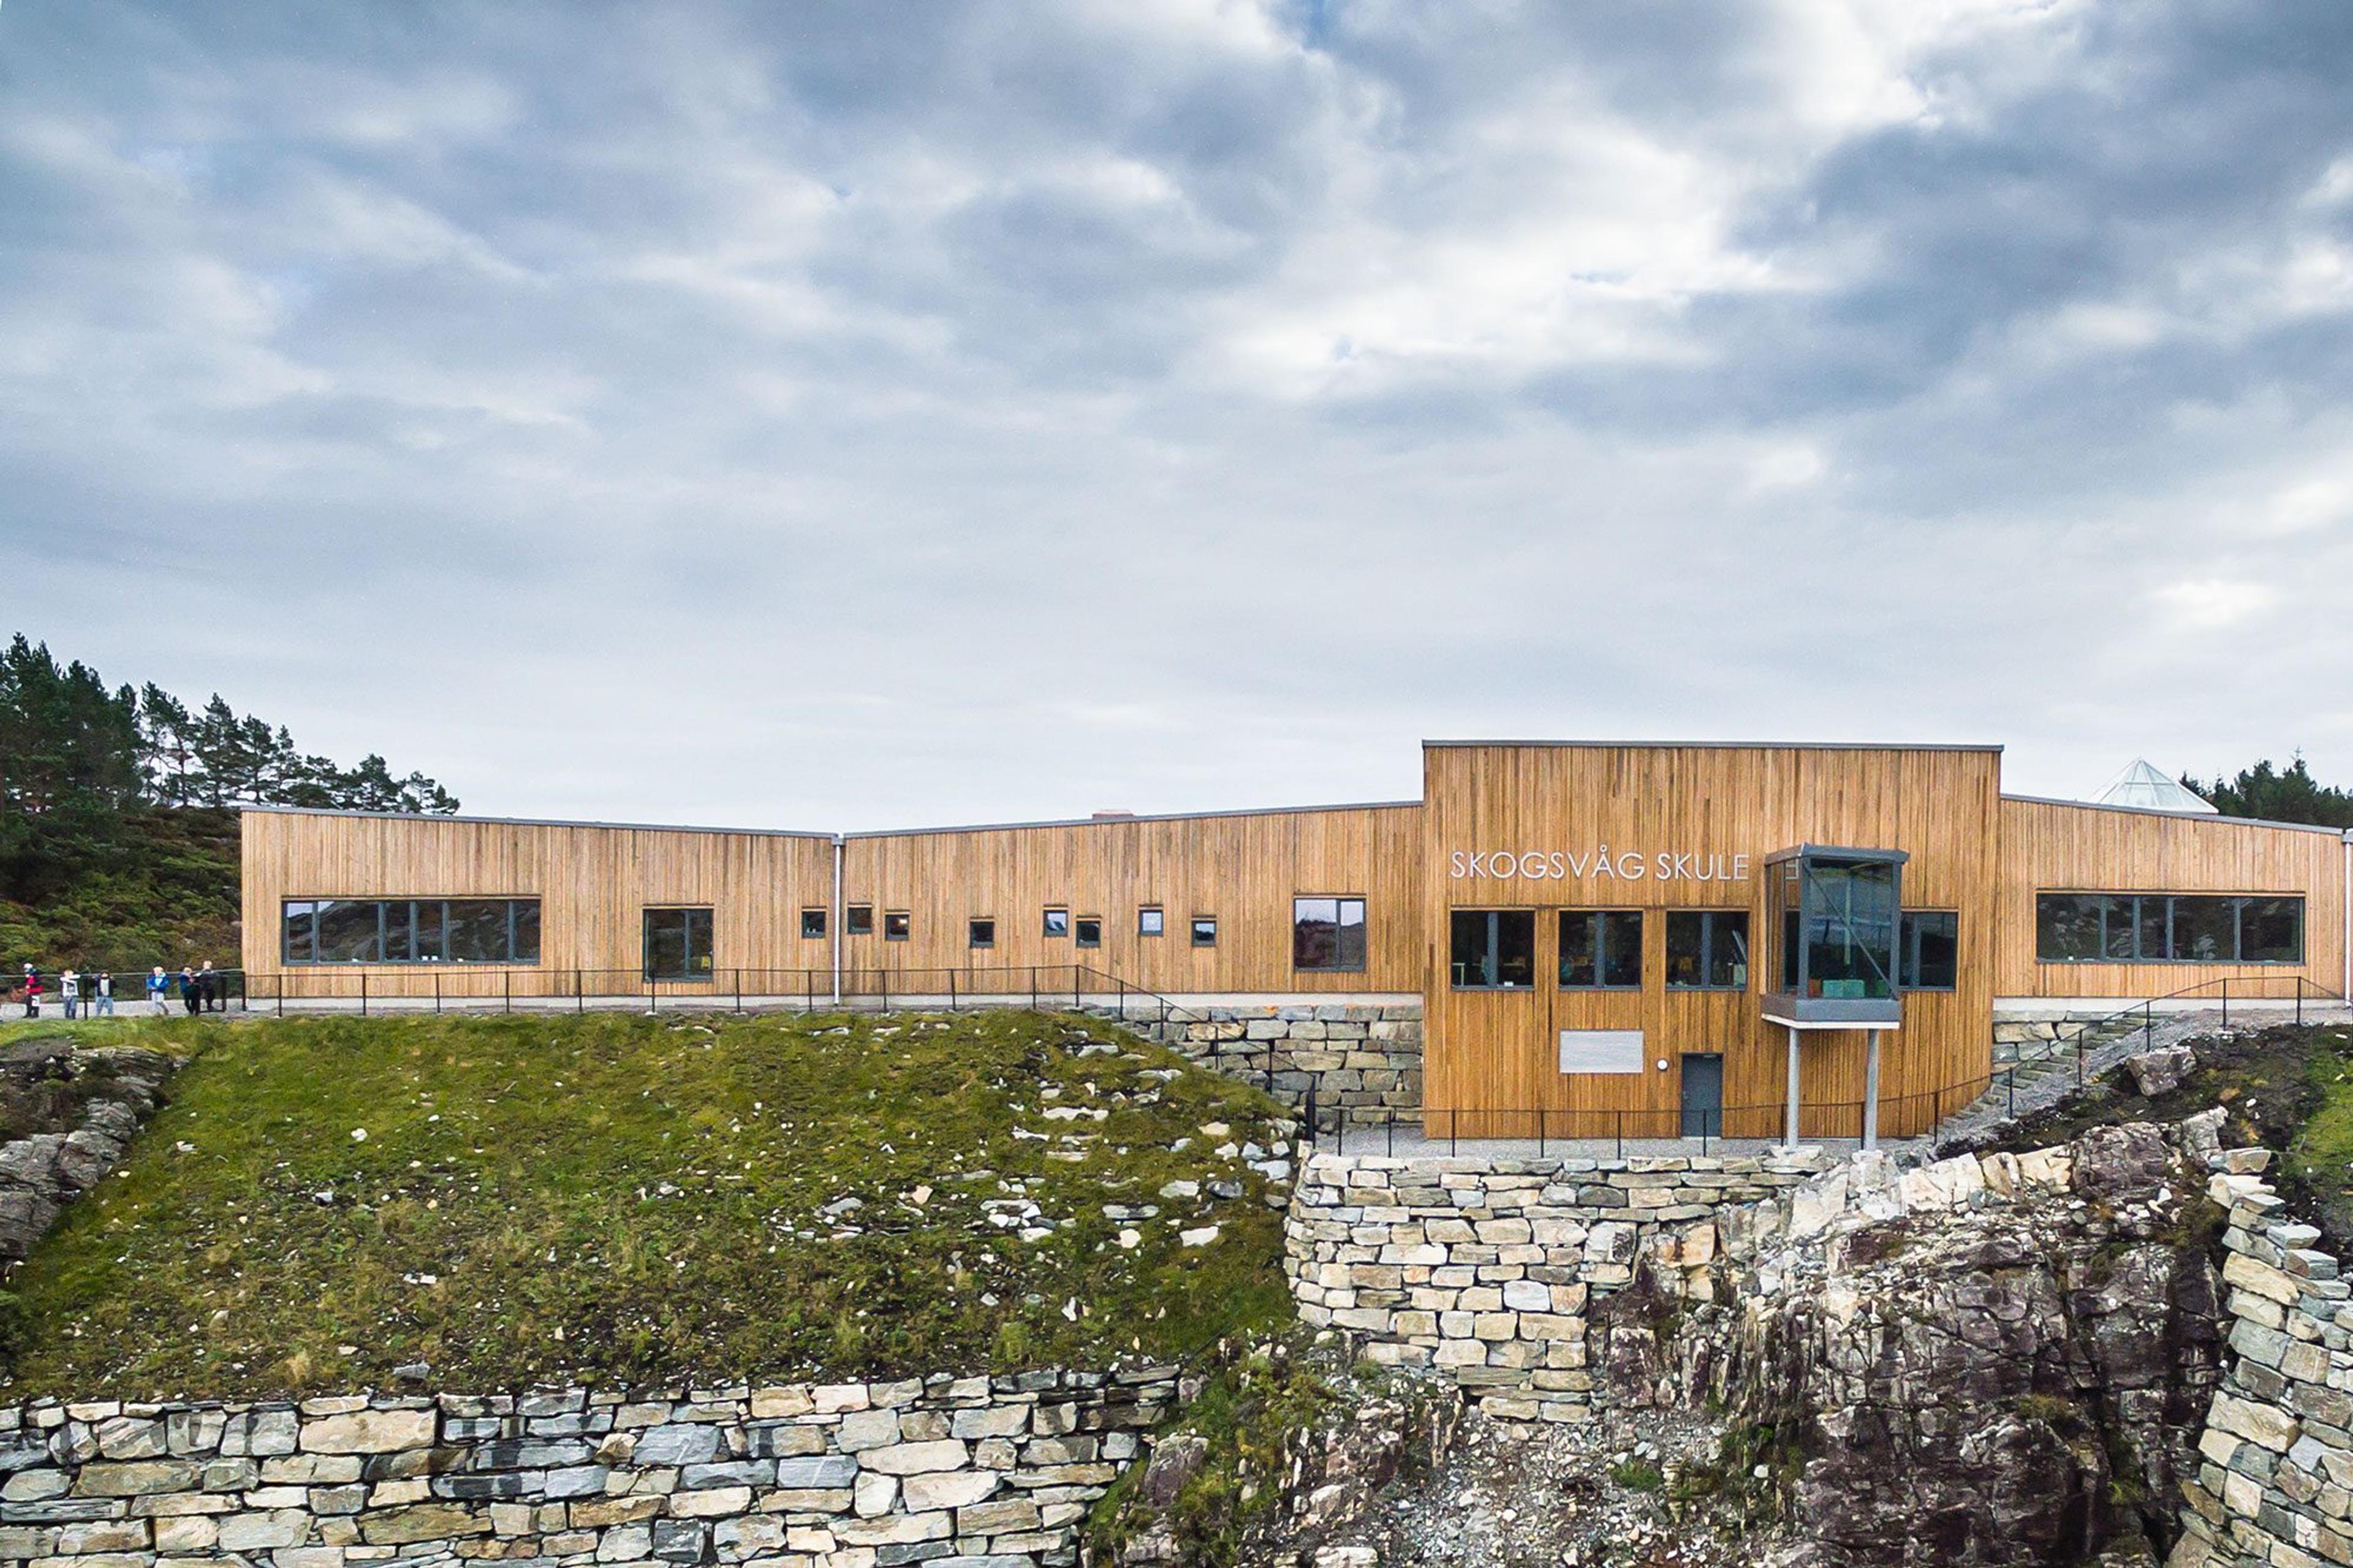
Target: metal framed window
1087, 931
678, 943
1928, 950
1600, 950
1149, 920
1707, 950
980, 932
813, 925
897, 924
1058, 922
2168, 928
1204, 931
1491, 950
409, 931
858, 920
1327, 935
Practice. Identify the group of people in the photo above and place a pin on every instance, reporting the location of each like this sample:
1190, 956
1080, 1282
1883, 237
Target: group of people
203, 990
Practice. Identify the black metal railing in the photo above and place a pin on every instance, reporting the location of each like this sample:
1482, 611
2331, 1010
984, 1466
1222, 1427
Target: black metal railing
2267, 988
448, 988
1362, 1128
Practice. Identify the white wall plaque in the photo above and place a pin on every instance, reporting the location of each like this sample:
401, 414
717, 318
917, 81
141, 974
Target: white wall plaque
1602, 1050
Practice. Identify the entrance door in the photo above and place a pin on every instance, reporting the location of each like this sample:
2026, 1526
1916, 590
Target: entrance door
1703, 1090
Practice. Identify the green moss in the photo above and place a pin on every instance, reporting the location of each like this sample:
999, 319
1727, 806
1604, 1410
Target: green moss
1637, 1475
630, 1200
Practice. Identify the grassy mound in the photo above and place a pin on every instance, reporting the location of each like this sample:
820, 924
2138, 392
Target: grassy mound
627, 1200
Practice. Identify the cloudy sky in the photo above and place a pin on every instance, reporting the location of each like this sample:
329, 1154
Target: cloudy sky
860, 415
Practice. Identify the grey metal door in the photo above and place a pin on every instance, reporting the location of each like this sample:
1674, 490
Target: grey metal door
1702, 1092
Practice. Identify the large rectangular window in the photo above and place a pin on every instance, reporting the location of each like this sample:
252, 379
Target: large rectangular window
1492, 949
409, 931
1327, 933
1707, 950
1600, 950
1928, 951
678, 944
2168, 928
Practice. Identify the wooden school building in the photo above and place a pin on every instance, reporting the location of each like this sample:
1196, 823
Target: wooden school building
1739, 939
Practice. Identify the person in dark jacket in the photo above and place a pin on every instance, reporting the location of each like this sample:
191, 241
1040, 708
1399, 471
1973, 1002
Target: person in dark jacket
190, 996
32, 992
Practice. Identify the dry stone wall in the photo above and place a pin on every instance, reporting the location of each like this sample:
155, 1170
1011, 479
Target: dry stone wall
957, 1472
1363, 1058
1490, 1269
2276, 1484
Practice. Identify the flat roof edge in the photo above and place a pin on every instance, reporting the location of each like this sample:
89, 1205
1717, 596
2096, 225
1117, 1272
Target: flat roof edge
1137, 817
535, 822
1428, 745
2209, 819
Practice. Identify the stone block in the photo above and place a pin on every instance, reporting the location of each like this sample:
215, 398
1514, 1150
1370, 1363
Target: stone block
369, 1432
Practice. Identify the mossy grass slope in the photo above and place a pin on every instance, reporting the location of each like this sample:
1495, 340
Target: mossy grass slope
629, 1201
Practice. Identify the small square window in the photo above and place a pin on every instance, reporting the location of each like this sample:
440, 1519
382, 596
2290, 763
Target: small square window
896, 924
1149, 921
813, 924
1058, 922
981, 932
857, 921
1204, 931
1089, 931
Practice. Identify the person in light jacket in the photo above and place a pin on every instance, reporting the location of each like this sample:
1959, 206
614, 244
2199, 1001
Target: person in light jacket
102, 995
69, 990
158, 984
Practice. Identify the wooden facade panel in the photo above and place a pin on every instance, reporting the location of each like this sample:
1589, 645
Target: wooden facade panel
1672, 827
1244, 869
2053, 847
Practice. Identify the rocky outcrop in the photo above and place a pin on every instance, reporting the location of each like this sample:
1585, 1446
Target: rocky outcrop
117, 1088
2006, 1364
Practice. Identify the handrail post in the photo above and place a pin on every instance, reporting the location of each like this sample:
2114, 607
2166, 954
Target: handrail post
2299, 1001
1618, 1132
1033, 988
1540, 1131
506, 988
363, 993
2226, 1001
883, 978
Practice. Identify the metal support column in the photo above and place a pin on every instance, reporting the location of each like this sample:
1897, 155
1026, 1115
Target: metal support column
1871, 1088
1790, 1139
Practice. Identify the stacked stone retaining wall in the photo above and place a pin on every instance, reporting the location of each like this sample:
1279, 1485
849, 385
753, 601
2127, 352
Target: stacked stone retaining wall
960, 1473
2275, 1487
1488, 1270
1364, 1058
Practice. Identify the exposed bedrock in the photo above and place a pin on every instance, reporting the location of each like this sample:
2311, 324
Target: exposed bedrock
2020, 1379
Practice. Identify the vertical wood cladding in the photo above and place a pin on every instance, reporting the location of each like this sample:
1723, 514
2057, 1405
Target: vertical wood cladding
1700, 806
2056, 847
1244, 868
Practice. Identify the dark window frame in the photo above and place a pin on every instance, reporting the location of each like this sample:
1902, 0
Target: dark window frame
1200, 923
1715, 925
2126, 922
1047, 921
1494, 917
858, 920
1079, 924
522, 926
1156, 915
1599, 923
813, 924
687, 975
980, 930
1909, 931
1340, 927
898, 925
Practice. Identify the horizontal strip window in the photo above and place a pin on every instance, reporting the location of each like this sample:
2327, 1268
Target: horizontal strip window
1707, 950
1491, 950
1600, 950
2168, 928
409, 931
678, 944
1327, 935
1928, 951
